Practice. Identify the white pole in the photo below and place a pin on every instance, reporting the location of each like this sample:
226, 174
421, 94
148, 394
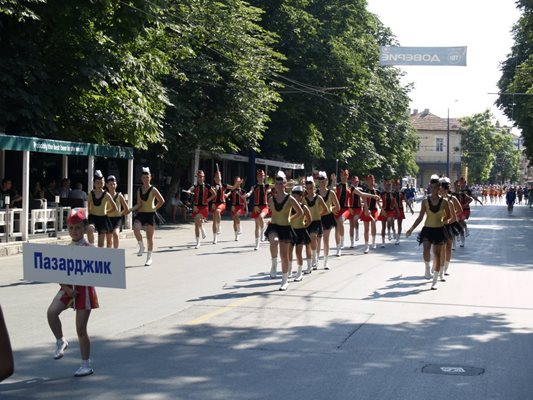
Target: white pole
65, 166
196, 164
90, 172
25, 194
130, 193
2, 164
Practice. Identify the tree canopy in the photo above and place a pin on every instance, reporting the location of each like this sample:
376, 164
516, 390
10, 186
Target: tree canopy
291, 79
489, 153
516, 82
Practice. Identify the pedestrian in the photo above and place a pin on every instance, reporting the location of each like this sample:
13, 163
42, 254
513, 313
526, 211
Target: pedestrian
149, 200
218, 205
453, 227
99, 206
203, 194
389, 211
328, 218
301, 238
399, 195
371, 216
279, 231
116, 216
82, 299
317, 206
436, 212
260, 209
239, 206
7, 364
344, 196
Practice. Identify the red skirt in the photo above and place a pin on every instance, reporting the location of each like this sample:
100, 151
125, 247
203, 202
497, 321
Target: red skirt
202, 210
373, 215
237, 210
85, 298
357, 211
386, 214
343, 212
401, 214
258, 210
219, 206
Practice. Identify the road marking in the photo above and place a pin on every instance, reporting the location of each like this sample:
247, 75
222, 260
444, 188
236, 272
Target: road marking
223, 310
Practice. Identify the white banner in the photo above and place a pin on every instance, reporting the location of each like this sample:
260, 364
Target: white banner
74, 265
396, 55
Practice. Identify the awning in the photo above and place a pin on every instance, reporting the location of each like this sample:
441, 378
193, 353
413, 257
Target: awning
33, 144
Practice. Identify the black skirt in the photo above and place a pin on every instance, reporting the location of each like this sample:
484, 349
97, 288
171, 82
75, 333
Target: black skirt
284, 233
115, 222
301, 236
328, 221
315, 227
433, 235
102, 223
145, 218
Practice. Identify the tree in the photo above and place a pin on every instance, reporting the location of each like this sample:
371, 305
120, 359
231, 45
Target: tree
83, 71
337, 102
517, 77
506, 158
476, 142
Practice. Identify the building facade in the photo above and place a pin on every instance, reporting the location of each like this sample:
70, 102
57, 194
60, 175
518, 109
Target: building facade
433, 152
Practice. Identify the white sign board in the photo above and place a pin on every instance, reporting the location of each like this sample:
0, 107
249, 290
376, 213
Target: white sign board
74, 265
396, 55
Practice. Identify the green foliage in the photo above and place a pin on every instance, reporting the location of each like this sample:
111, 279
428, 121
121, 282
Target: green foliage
490, 155
517, 77
506, 158
218, 86
337, 103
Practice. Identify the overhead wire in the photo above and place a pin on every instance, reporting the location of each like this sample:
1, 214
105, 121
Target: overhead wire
313, 90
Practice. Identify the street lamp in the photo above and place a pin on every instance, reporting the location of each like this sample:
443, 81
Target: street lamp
448, 145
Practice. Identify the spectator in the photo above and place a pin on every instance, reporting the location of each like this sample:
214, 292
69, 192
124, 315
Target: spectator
77, 192
64, 190
51, 192
8, 190
6, 353
38, 200
180, 205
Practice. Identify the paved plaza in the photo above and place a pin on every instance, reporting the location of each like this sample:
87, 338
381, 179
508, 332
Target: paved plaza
210, 323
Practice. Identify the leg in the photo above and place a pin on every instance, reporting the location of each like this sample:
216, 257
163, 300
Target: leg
115, 238
90, 233
101, 239
137, 226
82, 317
56, 308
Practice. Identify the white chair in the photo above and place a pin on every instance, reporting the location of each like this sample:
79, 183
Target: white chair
38, 216
51, 220
3, 223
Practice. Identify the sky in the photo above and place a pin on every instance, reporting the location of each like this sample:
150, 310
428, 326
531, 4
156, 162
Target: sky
484, 26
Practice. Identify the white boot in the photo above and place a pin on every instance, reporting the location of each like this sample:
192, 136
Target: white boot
273, 268
427, 275
197, 243
435, 278
309, 267
352, 242
383, 242
446, 266
326, 265
215, 238
367, 248
284, 282
342, 242
299, 274
141, 248
148, 259
338, 254
398, 239
441, 274
202, 230
357, 235
256, 244
314, 259
374, 242
289, 272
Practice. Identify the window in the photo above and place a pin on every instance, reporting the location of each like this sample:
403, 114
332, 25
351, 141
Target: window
439, 145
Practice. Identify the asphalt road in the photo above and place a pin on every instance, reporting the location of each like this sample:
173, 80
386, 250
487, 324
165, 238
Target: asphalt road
211, 324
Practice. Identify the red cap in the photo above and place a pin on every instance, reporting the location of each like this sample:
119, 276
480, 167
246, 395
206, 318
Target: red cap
77, 216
